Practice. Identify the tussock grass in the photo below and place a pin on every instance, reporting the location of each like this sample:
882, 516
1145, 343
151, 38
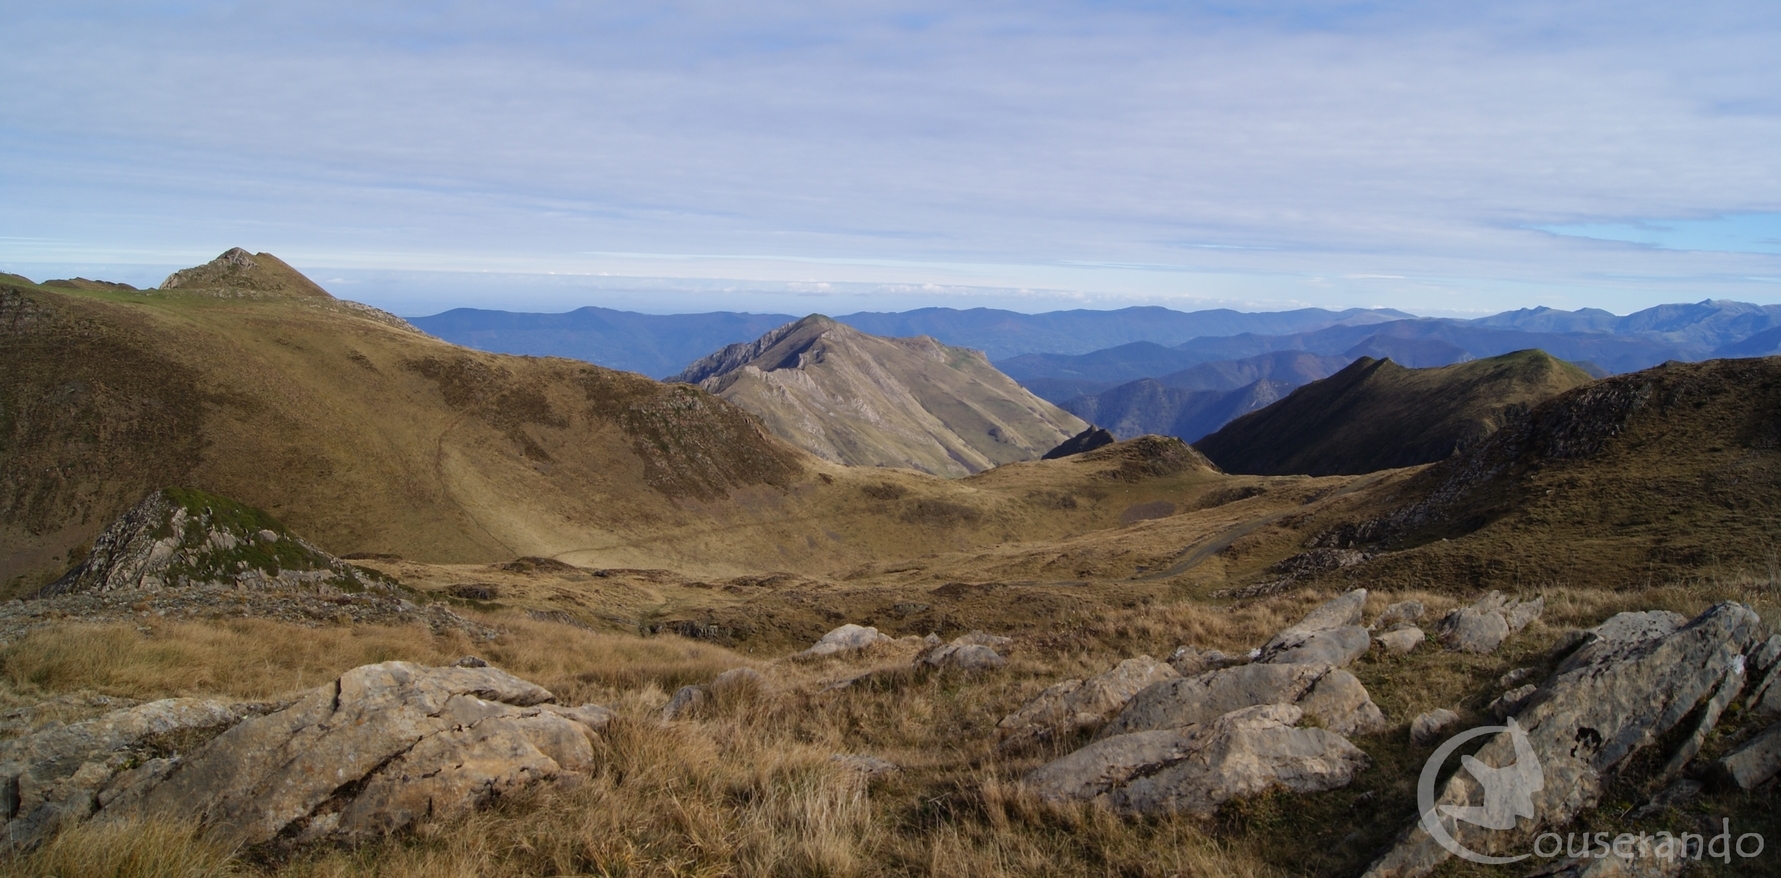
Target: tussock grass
126, 850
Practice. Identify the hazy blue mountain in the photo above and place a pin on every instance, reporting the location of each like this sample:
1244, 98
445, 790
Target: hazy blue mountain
656, 345
1006, 334
1766, 343
1148, 406
1126, 362
1293, 367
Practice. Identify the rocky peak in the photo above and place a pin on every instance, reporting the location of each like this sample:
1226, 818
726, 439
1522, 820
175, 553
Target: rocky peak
182, 536
237, 271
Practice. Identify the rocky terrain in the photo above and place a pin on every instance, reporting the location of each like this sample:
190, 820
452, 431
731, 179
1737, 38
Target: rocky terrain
863, 400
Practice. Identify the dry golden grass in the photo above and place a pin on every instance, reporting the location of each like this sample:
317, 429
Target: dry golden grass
125, 850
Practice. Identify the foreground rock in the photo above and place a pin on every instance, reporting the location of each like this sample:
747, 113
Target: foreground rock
976, 651
1076, 705
1483, 626
1334, 696
376, 750
1197, 768
63, 774
847, 638
1627, 686
1331, 634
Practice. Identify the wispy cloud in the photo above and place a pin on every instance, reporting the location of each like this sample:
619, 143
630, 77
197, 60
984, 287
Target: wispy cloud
1049, 145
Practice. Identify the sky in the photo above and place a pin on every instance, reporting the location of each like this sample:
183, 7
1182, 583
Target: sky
1436, 157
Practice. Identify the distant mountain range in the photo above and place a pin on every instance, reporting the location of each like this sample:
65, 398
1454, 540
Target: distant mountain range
659, 345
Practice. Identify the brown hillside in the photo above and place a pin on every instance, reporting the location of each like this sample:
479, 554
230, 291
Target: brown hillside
864, 400
1376, 415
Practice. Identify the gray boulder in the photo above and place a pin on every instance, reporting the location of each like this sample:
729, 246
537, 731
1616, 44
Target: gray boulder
379, 748
971, 652
1583, 725
1198, 768
1071, 706
64, 773
1400, 613
1427, 727
1402, 641
687, 702
1337, 647
1343, 706
1483, 626
847, 638
1753, 763
1341, 612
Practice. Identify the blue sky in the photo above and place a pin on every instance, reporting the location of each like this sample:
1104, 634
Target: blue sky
1434, 157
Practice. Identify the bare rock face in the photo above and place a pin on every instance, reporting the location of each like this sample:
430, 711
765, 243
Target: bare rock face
1621, 692
1074, 705
63, 774
847, 638
1197, 768
379, 748
1483, 626
1342, 705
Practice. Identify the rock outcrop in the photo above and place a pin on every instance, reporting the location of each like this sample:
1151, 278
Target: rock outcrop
1334, 696
976, 651
379, 748
1483, 626
1199, 767
847, 638
1625, 687
1331, 634
1075, 705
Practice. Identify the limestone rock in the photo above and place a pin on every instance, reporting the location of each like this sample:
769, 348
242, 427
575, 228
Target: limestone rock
687, 702
1755, 762
1483, 626
971, 652
60, 774
1509, 702
374, 751
1583, 725
1337, 647
1341, 612
1170, 704
1071, 706
1188, 662
1426, 727
1400, 613
847, 638
1198, 768
1402, 641
1621, 631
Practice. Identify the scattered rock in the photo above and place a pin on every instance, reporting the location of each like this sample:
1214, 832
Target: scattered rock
1755, 762
686, 703
470, 661
1400, 613
847, 638
1427, 727
1483, 626
1185, 701
1509, 702
1337, 647
1074, 705
1341, 612
1402, 640
867, 766
1583, 725
971, 652
1197, 768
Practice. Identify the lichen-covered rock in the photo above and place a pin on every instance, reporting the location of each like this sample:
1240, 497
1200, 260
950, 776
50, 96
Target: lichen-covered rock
847, 638
1071, 706
1581, 726
60, 774
1197, 768
379, 748
1343, 705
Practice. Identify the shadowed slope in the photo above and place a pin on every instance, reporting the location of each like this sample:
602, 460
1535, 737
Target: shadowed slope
1378, 415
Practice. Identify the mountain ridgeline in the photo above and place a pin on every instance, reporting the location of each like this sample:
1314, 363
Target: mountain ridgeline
863, 400
1376, 414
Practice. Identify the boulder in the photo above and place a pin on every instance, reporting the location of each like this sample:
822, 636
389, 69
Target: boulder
1197, 768
1753, 763
1427, 727
847, 638
1341, 612
971, 652
687, 702
1583, 725
1170, 704
1483, 626
1506, 704
1074, 705
381, 747
1620, 632
1400, 613
60, 774
1189, 662
1402, 641
1337, 647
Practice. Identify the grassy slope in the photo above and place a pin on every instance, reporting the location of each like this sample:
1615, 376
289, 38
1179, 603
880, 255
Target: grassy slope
1377, 415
